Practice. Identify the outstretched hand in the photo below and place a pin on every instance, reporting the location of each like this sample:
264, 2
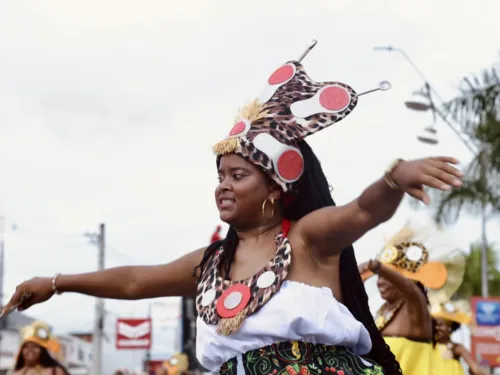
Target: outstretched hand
436, 172
28, 293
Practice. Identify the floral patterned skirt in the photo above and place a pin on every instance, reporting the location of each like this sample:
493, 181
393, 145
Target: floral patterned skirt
300, 358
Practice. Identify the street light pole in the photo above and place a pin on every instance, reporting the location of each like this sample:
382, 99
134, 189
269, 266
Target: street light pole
98, 335
2, 267
483, 160
407, 58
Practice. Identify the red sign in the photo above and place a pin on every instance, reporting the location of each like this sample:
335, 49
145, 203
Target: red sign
133, 333
485, 331
153, 367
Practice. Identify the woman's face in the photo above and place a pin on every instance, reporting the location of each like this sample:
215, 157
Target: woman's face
387, 291
242, 190
31, 353
443, 330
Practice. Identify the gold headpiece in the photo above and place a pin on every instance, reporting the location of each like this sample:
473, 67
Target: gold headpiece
453, 311
40, 333
424, 254
177, 364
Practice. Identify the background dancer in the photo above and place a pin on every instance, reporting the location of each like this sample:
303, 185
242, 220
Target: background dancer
259, 311
404, 271
178, 364
35, 356
449, 317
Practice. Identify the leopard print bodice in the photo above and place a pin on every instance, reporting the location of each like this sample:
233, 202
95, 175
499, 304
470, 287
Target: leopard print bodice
218, 298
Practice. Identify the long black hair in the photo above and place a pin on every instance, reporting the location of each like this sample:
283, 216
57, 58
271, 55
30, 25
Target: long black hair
46, 360
312, 193
434, 322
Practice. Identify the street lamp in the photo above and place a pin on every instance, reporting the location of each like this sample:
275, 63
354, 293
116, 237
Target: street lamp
417, 106
429, 135
428, 89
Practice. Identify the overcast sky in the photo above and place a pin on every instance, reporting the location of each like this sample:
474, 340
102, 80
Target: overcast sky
109, 109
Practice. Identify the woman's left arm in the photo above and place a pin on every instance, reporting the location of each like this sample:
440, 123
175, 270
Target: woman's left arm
331, 229
464, 353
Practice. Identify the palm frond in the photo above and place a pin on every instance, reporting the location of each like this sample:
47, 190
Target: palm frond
449, 204
472, 196
477, 110
478, 103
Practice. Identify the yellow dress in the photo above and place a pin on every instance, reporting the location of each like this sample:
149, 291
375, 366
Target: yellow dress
415, 356
446, 366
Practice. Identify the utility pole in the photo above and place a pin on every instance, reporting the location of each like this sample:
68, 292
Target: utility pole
3, 322
147, 356
483, 160
2, 256
98, 335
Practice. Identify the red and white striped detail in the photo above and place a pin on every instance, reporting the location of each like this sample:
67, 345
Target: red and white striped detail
279, 78
329, 99
287, 160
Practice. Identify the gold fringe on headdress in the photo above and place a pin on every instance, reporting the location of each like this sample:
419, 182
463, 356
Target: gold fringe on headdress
252, 112
226, 146
227, 326
403, 235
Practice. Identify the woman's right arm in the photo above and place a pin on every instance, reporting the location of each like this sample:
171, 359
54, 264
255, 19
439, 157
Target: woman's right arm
137, 282
128, 283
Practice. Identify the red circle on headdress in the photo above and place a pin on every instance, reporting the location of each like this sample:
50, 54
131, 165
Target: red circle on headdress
281, 75
334, 98
238, 128
245, 298
290, 165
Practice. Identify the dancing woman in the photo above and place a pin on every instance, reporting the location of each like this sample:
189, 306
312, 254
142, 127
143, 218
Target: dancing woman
37, 351
405, 271
449, 317
267, 301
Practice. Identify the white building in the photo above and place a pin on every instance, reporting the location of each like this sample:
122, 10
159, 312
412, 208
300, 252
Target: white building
76, 353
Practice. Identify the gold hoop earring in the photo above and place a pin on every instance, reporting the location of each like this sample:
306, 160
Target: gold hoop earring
264, 208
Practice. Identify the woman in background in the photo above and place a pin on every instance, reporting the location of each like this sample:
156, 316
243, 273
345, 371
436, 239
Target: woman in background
404, 274
34, 357
449, 317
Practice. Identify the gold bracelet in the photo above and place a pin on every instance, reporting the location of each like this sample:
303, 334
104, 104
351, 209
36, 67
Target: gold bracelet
388, 175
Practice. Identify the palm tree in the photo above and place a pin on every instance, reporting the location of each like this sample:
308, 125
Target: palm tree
471, 285
477, 111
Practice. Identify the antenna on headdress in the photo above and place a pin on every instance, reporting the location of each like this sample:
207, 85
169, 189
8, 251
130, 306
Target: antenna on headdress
382, 86
311, 46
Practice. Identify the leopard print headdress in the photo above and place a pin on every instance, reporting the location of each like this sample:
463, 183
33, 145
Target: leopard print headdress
291, 107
